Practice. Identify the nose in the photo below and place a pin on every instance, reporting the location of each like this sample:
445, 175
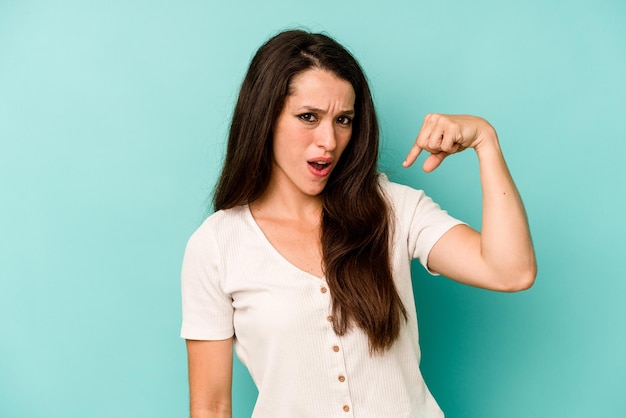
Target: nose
326, 137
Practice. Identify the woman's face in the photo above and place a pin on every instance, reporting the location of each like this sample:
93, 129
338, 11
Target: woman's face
311, 132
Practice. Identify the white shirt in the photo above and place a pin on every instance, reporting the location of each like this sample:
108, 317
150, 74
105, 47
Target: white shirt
234, 282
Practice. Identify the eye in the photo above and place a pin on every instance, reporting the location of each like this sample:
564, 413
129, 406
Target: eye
344, 120
307, 117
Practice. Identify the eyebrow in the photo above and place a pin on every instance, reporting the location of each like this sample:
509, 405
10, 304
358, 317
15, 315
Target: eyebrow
349, 112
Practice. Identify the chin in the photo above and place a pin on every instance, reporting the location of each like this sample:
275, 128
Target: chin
313, 192
313, 189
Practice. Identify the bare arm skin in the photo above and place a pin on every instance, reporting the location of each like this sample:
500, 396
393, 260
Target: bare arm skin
501, 257
210, 378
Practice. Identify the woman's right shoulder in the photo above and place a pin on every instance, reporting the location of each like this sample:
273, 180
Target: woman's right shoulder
218, 226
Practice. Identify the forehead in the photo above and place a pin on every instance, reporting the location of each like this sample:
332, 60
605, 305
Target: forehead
321, 86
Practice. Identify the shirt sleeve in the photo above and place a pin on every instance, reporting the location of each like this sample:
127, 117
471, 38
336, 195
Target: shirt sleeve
420, 220
207, 309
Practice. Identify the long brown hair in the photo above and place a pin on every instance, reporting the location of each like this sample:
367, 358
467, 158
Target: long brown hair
356, 227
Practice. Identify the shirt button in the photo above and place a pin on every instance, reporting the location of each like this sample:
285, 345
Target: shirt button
342, 379
346, 408
336, 348
323, 289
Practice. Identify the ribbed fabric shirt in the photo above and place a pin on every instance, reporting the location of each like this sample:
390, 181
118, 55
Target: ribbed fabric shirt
234, 282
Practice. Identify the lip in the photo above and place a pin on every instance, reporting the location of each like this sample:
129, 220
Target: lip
324, 171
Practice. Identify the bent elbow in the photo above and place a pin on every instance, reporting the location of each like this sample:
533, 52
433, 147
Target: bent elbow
524, 283
522, 280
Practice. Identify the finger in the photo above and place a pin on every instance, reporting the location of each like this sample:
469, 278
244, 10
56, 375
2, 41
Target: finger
412, 155
434, 141
449, 142
434, 135
433, 161
420, 142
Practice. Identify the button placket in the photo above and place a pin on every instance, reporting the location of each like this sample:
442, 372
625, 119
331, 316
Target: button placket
342, 382
338, 355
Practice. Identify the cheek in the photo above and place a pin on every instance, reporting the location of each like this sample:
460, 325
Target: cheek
345, 140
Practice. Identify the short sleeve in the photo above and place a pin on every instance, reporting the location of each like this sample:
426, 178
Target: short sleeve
207, 309
419, 220
428, 225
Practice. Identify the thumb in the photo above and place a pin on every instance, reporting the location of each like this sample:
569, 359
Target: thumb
433, 161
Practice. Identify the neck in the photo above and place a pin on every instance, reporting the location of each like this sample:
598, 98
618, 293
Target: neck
279, 203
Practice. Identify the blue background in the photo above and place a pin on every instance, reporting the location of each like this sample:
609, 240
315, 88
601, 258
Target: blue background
113, 118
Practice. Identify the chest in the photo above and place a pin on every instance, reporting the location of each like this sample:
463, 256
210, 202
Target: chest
299, 244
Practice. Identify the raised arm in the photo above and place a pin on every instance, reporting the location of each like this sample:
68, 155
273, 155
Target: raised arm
501, 256
210, 378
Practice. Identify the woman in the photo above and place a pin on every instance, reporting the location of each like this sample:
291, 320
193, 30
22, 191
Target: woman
305, 265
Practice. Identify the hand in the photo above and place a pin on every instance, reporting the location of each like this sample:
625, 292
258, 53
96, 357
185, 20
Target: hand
443, 135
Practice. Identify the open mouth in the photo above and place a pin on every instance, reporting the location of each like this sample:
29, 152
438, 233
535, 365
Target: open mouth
320, 167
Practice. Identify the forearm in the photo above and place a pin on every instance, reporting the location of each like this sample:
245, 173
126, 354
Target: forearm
506, 246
